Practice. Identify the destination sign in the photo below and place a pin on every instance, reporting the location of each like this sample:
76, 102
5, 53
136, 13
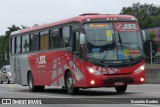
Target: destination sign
98, 25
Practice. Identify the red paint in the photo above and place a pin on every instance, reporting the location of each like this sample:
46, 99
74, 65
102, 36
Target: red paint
42, 73
126, 27
74, 19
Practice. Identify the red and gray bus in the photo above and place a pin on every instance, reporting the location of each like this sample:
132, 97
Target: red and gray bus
87, 51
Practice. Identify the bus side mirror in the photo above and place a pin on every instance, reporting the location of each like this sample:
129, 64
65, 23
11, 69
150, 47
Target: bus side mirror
82, 39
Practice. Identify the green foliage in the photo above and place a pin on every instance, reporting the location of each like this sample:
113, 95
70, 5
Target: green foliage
151, 35
4, 40
7, 34
148, 15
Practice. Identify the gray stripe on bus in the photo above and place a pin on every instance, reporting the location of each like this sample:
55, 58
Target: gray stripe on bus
54, 74
60, 71
54, 66
61, 81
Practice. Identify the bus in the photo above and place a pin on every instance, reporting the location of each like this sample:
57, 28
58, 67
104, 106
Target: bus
86, 51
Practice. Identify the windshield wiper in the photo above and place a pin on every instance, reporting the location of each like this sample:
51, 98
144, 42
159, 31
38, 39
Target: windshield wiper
120, 40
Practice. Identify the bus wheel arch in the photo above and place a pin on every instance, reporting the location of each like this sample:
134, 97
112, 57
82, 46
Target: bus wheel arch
31, 85
68, 79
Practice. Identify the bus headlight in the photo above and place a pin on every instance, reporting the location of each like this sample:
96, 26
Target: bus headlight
93, 71
141, 68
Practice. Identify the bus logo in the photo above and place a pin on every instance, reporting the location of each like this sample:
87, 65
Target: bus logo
130, 26
41, 60
126, 27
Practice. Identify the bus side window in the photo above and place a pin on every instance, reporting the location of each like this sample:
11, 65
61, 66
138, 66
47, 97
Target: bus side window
44, 40
18, 44
34, 42
13, 46
54, 39
25, 43
31, 39
66, 36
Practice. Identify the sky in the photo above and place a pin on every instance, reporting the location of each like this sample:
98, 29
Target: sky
30, 12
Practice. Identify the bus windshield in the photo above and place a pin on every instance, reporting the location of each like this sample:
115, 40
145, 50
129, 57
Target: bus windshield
113, 41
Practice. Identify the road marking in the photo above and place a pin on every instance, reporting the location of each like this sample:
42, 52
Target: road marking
143, 92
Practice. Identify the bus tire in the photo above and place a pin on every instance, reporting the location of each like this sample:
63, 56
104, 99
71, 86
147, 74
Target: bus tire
121, 89
33, 88
69, 85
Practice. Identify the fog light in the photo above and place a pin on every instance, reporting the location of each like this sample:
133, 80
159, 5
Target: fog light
142, 79
92, 82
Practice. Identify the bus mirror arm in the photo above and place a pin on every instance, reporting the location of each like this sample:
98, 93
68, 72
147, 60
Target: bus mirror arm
82, 39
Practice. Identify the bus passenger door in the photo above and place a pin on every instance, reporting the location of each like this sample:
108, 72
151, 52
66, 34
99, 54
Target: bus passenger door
78, 63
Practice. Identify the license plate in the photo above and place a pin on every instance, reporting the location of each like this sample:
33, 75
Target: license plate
118, 83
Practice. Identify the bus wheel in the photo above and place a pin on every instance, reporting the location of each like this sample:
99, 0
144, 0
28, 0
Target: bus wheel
33, 88
121, 89
30, 83
69, 85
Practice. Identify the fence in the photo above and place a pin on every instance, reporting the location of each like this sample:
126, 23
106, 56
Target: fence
152, 73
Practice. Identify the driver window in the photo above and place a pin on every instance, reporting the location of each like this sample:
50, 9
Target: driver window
76, 42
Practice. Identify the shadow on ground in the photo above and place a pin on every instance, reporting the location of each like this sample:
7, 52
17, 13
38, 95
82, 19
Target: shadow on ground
82, 92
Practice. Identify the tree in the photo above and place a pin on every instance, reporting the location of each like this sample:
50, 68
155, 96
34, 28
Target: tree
151, 35
148, 15
6, 37
4, 40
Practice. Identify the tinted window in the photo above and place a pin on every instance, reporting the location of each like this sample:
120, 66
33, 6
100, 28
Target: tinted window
66, 37
25, 43
31, 43
54, 39
34, 42
18, 44
76, 42
13, 45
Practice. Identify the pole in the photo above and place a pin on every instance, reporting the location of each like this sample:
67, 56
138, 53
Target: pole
151, 52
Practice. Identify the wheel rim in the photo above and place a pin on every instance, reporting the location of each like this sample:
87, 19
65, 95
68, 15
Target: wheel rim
69, 84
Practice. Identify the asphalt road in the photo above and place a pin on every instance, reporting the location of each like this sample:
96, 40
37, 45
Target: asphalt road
97, 96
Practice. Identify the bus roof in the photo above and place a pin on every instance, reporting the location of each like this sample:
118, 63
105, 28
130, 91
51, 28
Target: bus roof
79, 18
